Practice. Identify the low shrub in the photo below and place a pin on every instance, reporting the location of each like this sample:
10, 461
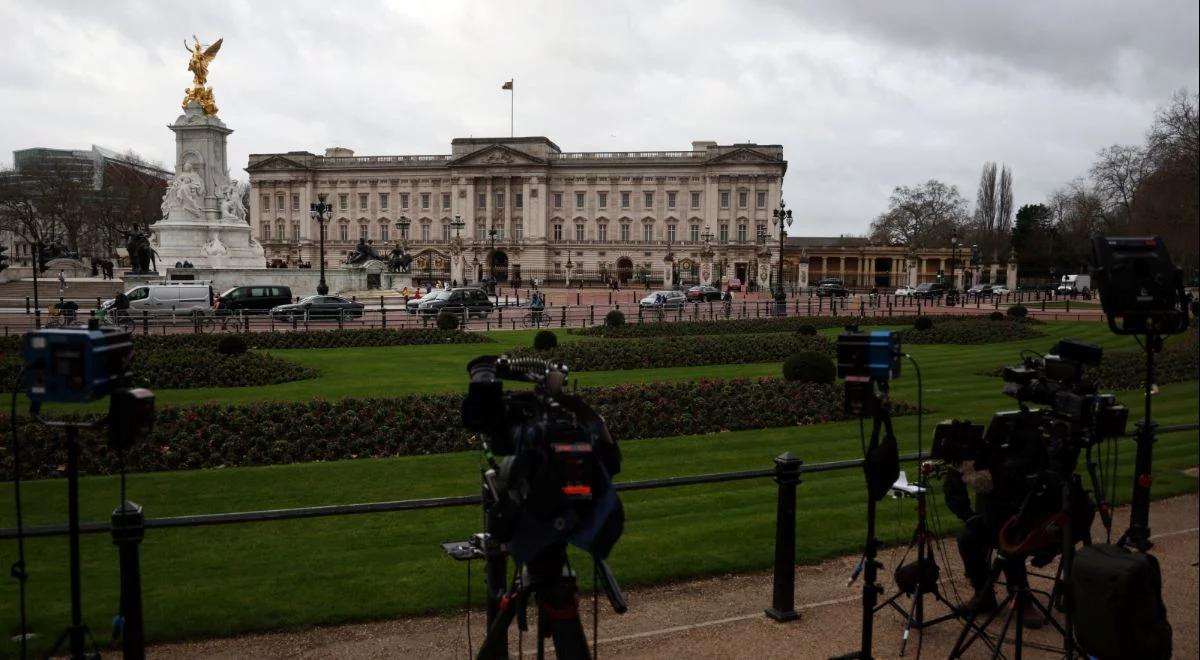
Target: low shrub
1126, 369
658, 352
974, 330
614, 319
749, 326
190, 369
545, 340
231, 345
447, 321
807, 329
923, 323
1018, 311
347, 338
809, 367
276, 433
996, 316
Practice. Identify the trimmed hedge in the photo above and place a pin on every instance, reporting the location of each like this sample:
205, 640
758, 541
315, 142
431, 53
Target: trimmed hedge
275, 433
659, 352
545, 340
613, 319
1126, 369
1018, 311
810, 367
347, 338
923, 323
181, 369
975, 330
447, 321
724, 327
231, 345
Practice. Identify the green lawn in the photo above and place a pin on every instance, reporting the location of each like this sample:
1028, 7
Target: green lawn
224, 580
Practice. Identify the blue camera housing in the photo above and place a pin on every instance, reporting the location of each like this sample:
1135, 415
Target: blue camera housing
75, 365
875, 355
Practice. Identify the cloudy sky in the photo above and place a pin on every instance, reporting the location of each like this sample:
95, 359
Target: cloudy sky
863, 96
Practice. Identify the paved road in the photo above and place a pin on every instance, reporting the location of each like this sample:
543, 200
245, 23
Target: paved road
722, 617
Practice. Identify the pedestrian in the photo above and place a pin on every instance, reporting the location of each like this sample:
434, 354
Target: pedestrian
62, 282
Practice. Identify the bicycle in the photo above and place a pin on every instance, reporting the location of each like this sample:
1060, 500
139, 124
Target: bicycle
535, 319
117, 320
223, 323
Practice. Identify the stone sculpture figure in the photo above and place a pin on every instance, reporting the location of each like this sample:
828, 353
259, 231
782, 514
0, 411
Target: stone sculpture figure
141, 255
232, 209
363, 252
184, 193
198, 65
399, 261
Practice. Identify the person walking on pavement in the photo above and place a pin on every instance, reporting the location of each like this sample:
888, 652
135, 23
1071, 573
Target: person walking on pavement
62, 282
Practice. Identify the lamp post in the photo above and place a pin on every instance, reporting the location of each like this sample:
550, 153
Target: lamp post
781, 216
953, 261
475, 259
402, 227
570, 265
670, 260
320, 211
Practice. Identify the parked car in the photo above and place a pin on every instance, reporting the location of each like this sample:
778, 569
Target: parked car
1000, 291
473, 300
980, 291
253, 299
703, 293
664, 300
832, 287
929, 290
178, 298
319, 307
415, 303
905, 291
733, 284
1075, 285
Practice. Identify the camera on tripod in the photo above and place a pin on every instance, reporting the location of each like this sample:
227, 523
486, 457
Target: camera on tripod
864, 360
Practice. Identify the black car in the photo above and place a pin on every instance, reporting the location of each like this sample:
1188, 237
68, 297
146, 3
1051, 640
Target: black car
703, 293
832, 287
319, 307
929, 290
253, 298
980, 291
473, 300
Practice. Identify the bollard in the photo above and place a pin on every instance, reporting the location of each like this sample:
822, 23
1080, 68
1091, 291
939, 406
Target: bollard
146, 323
26, 304
383, 317
783, 593
578, 298
128, 530
591, 315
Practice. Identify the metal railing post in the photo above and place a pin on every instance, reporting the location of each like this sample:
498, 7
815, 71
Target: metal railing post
783, 593
128, 530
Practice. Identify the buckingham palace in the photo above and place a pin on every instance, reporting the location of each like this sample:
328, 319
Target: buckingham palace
523, 209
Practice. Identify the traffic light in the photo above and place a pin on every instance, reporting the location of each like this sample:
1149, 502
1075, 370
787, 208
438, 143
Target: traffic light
3, 257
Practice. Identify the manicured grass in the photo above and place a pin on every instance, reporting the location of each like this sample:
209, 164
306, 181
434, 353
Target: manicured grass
224, 580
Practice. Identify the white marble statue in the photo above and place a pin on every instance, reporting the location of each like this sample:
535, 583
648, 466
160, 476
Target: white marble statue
232, 209
185, 194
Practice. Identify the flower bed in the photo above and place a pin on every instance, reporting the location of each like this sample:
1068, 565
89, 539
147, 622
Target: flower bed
348, 338
975, 330
632, 329
274, 433
698, 350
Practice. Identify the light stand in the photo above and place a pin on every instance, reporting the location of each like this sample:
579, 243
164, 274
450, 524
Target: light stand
781, 216
320, 211
1138, 533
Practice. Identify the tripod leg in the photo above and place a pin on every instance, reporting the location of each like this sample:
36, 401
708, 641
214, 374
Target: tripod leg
558, 606
913, 614
1013, 608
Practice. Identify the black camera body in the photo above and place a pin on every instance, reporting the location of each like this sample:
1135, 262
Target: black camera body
1141, 289
553, 482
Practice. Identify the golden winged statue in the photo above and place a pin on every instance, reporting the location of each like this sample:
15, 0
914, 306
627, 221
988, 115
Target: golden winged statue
198, 65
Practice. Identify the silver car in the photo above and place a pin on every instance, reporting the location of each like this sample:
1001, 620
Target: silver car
664, 300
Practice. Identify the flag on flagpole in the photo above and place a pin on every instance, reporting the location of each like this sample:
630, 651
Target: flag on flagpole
507, 85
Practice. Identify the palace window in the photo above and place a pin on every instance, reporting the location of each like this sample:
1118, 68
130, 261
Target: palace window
383, 231
383, 201
425, 231
694, 234
695, 200
445, 201
741, 233
761, 202
671, 233
480, 230
404, 200
724, 233
558, 200
724, 199
343, 233
580, 198
602, 232
295, 202
624, 199
483, 200
279, 232
296, 232
425, 201
649, 199
266, 202
266, 232
648, 232
625, 232
279, 202
363, 232
518, 200
518, 230
579, 232
671, 199
324, 231
445, 231
602, 199
362, 200
343, 201
742, 196
499, 200
499, 232
557, 232
760, 230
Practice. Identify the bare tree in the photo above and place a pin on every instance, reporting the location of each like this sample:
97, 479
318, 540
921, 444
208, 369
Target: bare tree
985, 200
1175, 135
1004, 211
921, 216
1117, 175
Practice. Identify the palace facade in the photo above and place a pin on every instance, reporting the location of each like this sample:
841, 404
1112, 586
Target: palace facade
523, 209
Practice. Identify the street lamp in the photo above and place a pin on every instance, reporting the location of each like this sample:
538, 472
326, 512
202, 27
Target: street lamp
402, 227
320, 211
781, 216
458, 224
670, 259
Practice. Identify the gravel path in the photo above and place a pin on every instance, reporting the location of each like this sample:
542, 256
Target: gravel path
723, 617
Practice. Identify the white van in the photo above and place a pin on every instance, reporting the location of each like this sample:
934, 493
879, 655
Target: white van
1073, 285
179, 298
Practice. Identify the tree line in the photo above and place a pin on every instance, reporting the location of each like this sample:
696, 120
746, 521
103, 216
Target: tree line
1148, 188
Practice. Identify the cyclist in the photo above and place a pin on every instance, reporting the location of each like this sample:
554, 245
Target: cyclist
537, 304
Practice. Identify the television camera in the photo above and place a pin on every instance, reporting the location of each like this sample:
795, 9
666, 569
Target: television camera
551, 486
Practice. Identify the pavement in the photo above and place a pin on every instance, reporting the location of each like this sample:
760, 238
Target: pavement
722, 617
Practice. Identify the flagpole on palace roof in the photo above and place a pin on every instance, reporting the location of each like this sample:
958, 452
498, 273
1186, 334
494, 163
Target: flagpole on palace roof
512, 103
